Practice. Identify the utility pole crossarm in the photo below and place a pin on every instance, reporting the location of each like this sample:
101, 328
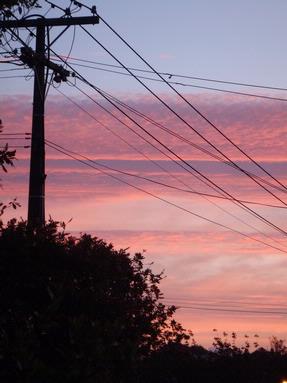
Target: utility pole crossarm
42, 21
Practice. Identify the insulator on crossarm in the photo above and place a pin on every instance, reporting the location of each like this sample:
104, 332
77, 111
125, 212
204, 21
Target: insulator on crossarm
57, 78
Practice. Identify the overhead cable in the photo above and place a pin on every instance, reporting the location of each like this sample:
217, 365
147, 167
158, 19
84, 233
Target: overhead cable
182, 138
53, 146
181, 118
162, 184
181, 96
187, 123
170, 75
213, 184
272, 98
162, 168
205, 308
243, 206
195, 175
94, 11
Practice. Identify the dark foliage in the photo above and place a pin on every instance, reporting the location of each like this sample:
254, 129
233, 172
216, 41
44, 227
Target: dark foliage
6, 159
76, 310
177, 363
20, 3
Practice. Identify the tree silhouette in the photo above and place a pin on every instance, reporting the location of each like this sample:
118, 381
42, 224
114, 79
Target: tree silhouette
75, 309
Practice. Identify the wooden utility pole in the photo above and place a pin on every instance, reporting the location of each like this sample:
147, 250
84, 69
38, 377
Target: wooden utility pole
38, 61
36, 201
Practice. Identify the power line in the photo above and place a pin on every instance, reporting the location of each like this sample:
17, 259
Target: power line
162, 168
66, 152
72, 43
243, 206
139, 135
213, 184
183, 139
189, 191
11, 69
14, 134
226, 302
16, 147
199, 173
9, 77
221, 190
93, 10
170, 75
13, 138
204, 308
162, 184
272, 98
181, 96
188, 124
205, 197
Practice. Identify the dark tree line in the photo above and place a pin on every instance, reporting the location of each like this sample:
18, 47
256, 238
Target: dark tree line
177, 363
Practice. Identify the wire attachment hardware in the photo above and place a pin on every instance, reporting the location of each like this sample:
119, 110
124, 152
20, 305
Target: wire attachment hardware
32, 59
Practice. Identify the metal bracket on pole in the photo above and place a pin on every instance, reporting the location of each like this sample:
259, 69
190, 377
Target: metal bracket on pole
31, 58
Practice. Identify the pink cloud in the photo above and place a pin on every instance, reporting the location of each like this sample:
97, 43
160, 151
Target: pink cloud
166, 56
253, 125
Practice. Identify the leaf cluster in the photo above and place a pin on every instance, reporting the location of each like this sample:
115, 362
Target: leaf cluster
8, 4
7, 157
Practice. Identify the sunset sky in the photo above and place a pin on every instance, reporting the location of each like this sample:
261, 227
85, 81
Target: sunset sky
216, 275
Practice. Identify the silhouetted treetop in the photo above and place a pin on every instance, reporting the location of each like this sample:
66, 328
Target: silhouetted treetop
77, 302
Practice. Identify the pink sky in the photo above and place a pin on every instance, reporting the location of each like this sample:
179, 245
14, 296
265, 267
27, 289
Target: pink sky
202, 262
